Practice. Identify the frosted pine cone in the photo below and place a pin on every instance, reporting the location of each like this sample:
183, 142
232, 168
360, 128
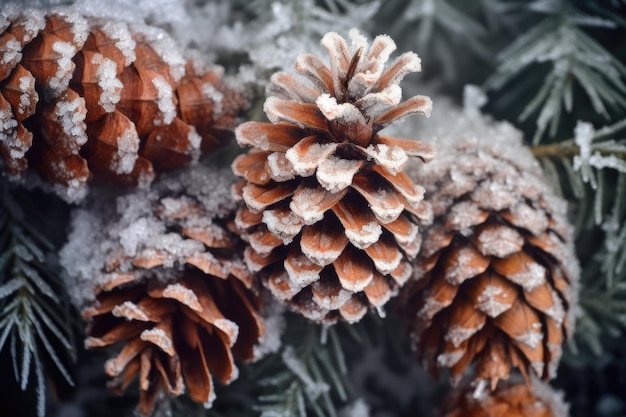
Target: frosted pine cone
331, 218
82, 97
496, 276
162, 280
509, 400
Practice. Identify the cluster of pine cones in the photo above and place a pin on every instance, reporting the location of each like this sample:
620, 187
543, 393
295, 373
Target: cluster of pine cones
327, 218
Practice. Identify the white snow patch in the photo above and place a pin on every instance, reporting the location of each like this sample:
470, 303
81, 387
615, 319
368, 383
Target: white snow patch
391, 158
72, 121
345, 113
335, 174
123, 161
129, 311
165, 101
529, 218
285, 227
159, 338
59, 82
500, 241
531, 278
462, 268
165, 47
365, 236
109, 83
385, 266
449, 359
80, 27
12, 52
457, 334
118, 31
384, 207
306, 164
306, 274
488, 302
27, 87
215, 96
333, 302
533, 337
305, 204
281, 169
464, 215
183, 294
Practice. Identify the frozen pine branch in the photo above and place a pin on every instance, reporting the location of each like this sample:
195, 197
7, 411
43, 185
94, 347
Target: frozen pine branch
587, 159
437, 30
573, 60
308, 377
35, 324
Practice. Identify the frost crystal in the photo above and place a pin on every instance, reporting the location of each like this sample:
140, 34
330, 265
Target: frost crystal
70, 115
119, 32
108, 82
165, 100
313, 388
127, 147
489, 302
59, 82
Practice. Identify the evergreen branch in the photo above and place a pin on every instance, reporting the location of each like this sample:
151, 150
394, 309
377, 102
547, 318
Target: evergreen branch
570, 58
308, 375
33, 306
435, 29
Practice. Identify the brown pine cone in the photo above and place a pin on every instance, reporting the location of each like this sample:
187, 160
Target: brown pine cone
496, 274
83, 97
509, 400
331, 218
165, 284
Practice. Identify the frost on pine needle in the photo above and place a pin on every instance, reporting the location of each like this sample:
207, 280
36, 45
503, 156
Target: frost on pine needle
594, 154
313, 388
572, 57
357, 408
33, 311
284, 29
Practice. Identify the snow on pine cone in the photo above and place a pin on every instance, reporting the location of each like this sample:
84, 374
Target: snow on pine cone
511, 399
331, 218
84, 97
161, 279
497, 275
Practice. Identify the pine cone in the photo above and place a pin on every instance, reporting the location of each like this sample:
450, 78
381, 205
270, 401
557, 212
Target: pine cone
169, 288
496, 272
509, 400
82, 97
331, 218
